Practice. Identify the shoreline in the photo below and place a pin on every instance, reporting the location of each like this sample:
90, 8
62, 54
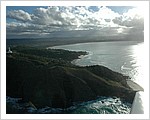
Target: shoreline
132, 84
79, 58
92, 79
42, 43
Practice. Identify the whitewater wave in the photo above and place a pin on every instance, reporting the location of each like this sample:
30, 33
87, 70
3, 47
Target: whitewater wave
124, 67
102, 105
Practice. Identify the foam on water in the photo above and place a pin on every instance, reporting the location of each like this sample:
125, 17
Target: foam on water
125, 57
102, 105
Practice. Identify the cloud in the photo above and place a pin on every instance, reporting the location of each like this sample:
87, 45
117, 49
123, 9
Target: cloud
132, 22
133, 18
73, 17
19, 15
75, 21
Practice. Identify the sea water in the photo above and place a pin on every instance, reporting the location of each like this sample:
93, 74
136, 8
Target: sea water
125, 57
102, 105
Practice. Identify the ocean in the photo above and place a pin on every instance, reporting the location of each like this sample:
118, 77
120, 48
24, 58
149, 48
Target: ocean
125, 57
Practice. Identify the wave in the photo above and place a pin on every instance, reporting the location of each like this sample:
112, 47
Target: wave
102, 105
123, 67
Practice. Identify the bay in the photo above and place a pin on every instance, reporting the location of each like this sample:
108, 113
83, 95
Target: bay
125, 57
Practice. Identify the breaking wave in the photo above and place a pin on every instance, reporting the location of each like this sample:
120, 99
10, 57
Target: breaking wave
102, 105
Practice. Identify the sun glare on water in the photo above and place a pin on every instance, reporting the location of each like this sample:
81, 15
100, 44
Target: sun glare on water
139, 64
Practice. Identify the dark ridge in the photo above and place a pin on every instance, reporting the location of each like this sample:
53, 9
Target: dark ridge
46, 79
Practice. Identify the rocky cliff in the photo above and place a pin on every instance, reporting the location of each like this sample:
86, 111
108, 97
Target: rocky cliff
55, 82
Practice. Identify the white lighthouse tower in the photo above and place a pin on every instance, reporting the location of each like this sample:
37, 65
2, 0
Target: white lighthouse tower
9, 50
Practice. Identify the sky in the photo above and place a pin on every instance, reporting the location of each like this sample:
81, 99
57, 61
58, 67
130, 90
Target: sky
121, 22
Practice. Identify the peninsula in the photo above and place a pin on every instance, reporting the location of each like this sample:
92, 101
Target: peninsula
46, 77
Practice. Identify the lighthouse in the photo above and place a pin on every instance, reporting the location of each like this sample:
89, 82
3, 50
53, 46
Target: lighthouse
9, 50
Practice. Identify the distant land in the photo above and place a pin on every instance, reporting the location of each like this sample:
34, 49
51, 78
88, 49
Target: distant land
48, 42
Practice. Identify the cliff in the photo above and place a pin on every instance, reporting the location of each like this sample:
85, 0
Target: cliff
47, 78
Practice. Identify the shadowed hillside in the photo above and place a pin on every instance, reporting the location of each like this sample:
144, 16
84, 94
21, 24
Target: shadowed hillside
47, 78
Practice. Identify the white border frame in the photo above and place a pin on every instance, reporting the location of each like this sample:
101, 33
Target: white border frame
73, 3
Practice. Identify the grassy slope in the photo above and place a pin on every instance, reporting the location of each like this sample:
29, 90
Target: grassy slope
47, 78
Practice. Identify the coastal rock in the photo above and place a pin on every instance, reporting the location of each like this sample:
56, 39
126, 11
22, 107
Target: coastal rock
61, 86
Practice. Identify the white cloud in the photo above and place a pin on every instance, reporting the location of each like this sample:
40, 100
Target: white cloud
19, 15
55, 18
76, 16
132, 18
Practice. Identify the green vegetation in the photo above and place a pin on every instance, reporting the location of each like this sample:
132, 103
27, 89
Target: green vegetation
46, 77
49, 57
